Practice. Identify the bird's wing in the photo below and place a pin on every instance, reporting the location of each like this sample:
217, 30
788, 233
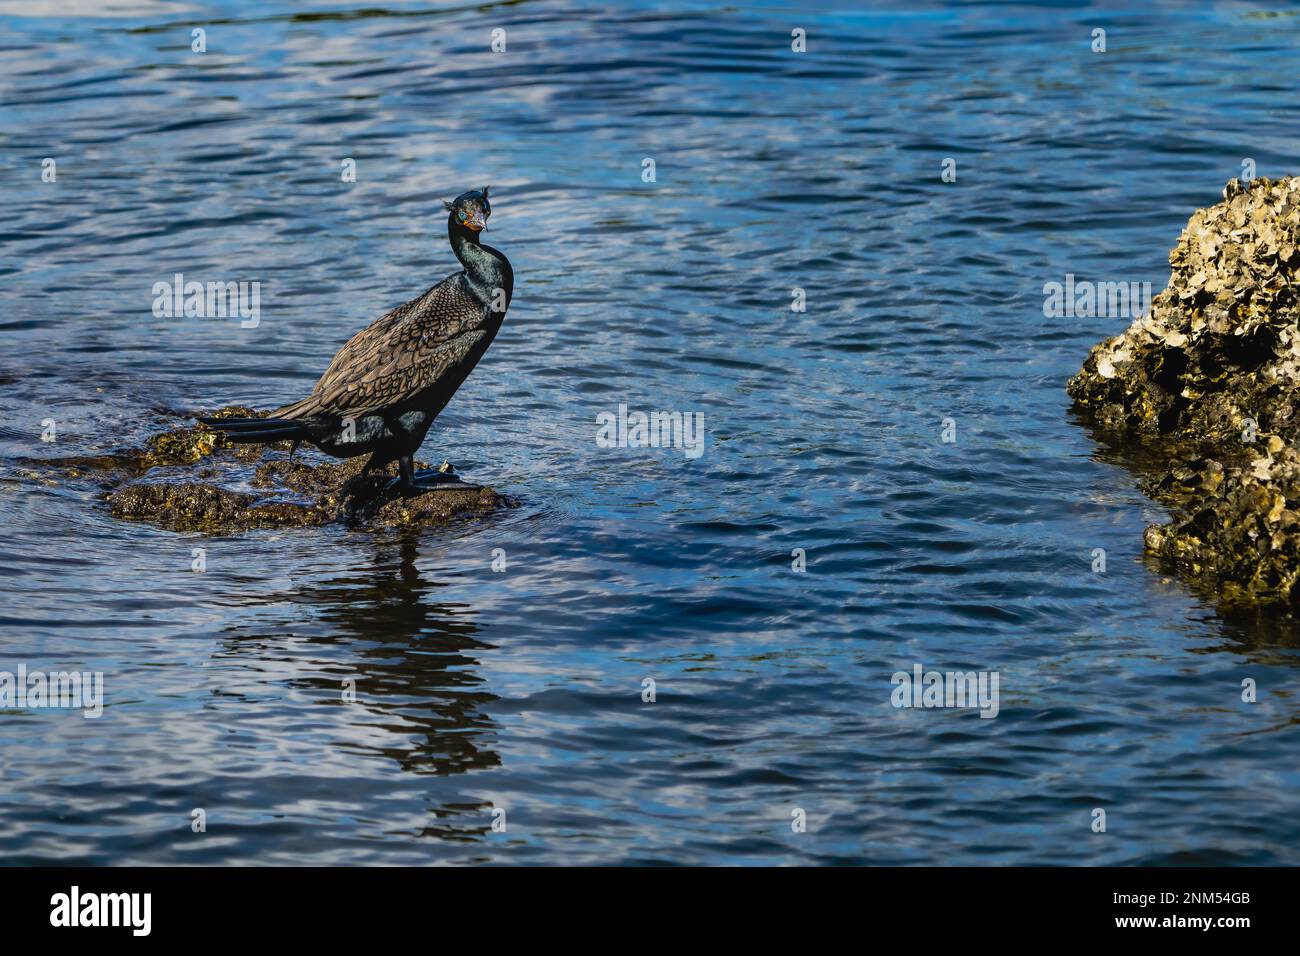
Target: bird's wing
399, 354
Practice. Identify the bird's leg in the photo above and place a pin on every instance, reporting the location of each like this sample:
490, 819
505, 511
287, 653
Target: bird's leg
405, 482
293, 448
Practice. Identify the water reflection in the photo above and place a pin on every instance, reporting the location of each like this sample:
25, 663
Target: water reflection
415, 660
1247, 629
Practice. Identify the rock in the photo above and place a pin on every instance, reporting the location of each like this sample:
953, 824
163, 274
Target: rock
161, 484
1200, 396
180, 504
193, 443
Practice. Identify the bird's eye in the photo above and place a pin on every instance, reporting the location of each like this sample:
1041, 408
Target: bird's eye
462, 215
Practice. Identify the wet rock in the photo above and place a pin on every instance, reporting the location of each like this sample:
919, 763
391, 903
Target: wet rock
180, 504
108, 469
222, 495
1201, 396
193, 443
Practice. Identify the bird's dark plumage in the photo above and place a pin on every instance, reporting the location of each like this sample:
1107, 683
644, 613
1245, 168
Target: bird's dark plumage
385, 387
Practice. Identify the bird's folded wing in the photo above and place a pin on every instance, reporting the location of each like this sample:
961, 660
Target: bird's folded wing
402, 377
402, 353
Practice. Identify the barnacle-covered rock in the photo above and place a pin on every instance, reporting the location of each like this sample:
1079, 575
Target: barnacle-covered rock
1209, 386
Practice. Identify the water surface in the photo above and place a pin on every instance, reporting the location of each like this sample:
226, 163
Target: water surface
522, 690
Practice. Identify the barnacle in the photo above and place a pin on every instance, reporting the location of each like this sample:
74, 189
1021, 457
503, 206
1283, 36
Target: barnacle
1200, 396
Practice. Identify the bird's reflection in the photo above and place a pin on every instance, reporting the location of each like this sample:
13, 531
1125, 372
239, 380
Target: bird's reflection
415, 661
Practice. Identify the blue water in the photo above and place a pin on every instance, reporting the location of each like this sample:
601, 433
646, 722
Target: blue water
521, 690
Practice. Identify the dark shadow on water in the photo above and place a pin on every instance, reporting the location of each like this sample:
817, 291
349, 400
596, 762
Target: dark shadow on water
1261, 632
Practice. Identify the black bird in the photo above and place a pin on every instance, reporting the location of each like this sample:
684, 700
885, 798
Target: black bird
385, 387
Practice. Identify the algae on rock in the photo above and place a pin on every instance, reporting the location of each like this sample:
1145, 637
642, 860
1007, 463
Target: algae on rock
192, 479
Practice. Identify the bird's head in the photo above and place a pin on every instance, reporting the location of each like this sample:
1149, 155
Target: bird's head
471, 209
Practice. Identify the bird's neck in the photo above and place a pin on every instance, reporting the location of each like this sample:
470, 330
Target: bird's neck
486, 269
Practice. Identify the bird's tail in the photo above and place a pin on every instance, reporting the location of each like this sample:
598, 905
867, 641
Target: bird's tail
299, 421
242, 431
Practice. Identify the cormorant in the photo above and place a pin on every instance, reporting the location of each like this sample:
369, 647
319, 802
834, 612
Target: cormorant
385, 387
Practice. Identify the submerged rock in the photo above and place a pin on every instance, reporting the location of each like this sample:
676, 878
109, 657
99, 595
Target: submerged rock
236, 487
1208, 387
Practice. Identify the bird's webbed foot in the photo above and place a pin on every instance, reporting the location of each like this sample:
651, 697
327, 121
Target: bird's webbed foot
402, 488
444, 477
366, 493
